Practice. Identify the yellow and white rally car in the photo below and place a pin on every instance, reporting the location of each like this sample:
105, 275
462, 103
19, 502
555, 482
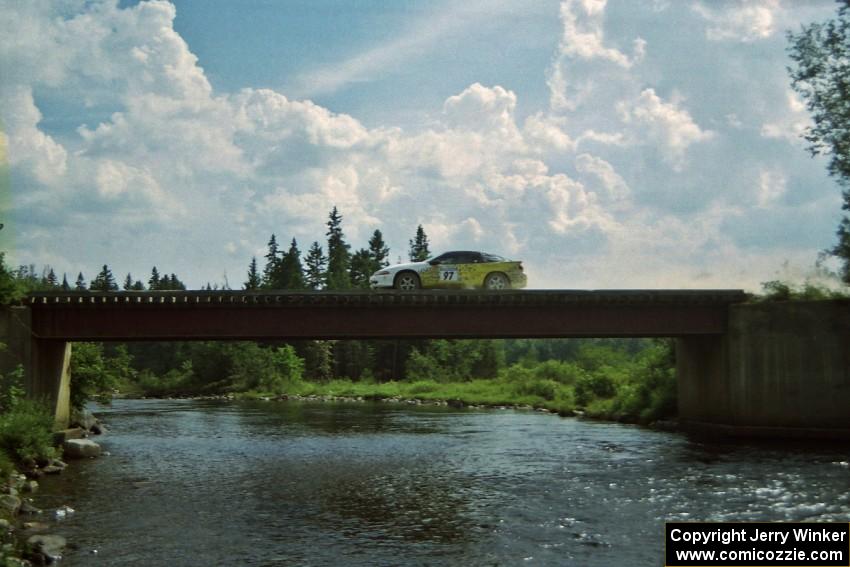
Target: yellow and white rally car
453, 270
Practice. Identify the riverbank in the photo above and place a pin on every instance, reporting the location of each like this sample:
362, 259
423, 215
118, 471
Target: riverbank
601, 381
548, 397
26, 536
632, 398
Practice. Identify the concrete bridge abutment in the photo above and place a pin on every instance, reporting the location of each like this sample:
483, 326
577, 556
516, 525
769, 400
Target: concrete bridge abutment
781, 370
45, 363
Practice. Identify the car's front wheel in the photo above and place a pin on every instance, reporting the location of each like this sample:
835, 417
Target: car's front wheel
407, 281
496, 281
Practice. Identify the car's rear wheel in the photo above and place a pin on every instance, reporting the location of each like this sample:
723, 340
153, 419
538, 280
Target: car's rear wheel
497, 281
407, 281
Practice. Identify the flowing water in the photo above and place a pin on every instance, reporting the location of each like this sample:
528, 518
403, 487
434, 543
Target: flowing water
287, 483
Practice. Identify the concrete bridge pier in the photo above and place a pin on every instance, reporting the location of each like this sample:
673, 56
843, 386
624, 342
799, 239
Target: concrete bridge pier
782, 369
50, 379
46, 363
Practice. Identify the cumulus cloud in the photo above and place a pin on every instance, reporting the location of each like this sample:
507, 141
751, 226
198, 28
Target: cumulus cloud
613, 186
30, 149
742, 20
665, 123
583, 34
548, 133
564, 188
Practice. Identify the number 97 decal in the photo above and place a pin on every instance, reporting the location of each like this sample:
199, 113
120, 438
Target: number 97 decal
448, 275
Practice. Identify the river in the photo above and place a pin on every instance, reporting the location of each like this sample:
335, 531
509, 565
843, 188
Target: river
288, 483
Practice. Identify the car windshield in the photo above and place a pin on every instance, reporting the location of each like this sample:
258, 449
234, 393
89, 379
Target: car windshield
492, 257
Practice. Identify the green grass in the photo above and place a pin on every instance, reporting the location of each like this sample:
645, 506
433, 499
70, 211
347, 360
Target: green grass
538, 394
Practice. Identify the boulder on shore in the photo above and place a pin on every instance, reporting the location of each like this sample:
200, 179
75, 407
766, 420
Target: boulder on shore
80, 449
83, 419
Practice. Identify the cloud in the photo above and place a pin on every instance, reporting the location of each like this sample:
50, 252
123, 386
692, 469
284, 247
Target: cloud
30, 149
547, 133
613, 186
664, 123
772, 186
741, 20
585, 191
791, 122
583, 34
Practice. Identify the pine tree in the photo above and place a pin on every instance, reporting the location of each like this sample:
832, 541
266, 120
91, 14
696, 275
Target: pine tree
365, 262
291, 273
378, 251
174, 283
52, 280
65, 285
339, 257
419, 246
362, 266
254, 279
104, 281
272, 264
128, 282
138, 286
316, 261
153, 281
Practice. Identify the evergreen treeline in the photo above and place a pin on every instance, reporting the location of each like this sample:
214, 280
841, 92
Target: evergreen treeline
559, 374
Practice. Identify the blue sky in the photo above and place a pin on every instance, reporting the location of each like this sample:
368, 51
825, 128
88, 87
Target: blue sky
606, 144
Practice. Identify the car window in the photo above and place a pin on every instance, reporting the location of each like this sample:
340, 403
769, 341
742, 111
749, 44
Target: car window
492, 258
447, 258
458, 258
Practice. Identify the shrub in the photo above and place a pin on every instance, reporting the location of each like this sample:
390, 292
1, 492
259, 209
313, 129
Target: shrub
422, 367
646, 393
518, 372
11, 387
94, 374
590, 386
777, 290
546, 389
26, 432
175, 381
561, 372
7, 467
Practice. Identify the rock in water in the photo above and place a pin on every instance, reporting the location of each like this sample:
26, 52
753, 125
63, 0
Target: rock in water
47, 548
80, 448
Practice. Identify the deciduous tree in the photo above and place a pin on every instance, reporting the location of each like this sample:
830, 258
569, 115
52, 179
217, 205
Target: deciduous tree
821, 75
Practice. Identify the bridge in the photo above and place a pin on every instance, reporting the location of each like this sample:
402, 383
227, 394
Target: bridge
731, 355
239, 315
